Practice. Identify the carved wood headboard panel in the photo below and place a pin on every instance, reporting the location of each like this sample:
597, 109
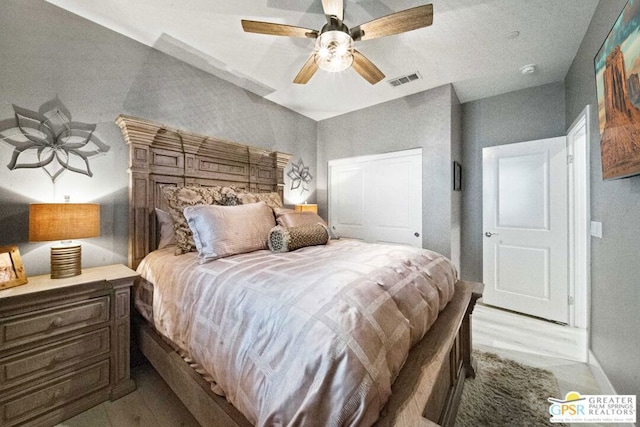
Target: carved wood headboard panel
160, 155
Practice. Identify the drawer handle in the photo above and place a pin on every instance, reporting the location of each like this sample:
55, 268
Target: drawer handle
55, 397
58, 358
57, 322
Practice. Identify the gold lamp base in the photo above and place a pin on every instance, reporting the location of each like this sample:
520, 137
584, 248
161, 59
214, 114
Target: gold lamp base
66, 260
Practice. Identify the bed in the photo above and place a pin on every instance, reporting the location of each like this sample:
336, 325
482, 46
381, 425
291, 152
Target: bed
427, 385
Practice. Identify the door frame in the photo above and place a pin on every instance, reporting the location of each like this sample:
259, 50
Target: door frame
580, 220
579, 214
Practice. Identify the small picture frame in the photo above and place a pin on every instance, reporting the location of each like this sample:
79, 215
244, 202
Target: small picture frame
457, 176
11, 269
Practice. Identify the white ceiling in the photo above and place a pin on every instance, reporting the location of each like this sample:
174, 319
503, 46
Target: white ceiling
469, 45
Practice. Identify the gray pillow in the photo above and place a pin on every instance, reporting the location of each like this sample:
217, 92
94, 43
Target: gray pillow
221, 231
165, 229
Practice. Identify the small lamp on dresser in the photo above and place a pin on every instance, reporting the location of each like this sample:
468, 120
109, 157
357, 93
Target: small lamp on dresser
64, 222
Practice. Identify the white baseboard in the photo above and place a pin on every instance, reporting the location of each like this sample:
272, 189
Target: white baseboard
599, 375
602, 380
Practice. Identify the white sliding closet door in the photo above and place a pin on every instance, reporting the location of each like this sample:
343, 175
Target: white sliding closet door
377, 198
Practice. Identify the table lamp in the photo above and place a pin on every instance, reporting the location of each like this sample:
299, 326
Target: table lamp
64, 222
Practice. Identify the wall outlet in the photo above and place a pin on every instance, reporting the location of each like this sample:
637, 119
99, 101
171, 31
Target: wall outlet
596, 229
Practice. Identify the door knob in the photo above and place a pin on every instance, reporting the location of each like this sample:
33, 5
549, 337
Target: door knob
489, 234
416, 234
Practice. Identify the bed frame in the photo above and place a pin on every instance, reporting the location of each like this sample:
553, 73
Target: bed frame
429, 386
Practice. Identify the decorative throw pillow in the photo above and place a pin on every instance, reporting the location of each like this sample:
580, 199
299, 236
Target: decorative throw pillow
246, 197
229, 196
221, 231
283, 239
179, 198
272, 200
282, 211
298, 219
165, 229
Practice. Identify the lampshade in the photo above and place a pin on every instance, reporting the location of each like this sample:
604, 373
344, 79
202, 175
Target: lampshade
64, 222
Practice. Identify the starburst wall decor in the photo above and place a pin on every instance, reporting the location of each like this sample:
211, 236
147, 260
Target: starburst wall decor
50, 140
300, 176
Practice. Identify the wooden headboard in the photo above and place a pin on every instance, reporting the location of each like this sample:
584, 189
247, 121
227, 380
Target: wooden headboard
160, 155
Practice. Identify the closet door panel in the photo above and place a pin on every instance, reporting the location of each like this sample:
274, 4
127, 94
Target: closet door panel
347, 201
396, 200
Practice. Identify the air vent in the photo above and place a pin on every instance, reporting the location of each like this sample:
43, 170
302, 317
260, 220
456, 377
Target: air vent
399, 81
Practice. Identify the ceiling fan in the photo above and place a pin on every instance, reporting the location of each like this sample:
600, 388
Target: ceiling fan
334, 49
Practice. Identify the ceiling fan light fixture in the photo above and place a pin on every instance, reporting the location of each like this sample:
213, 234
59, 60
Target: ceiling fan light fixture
334, 51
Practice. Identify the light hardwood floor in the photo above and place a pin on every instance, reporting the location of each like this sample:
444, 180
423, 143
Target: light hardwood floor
536, 343
153, 404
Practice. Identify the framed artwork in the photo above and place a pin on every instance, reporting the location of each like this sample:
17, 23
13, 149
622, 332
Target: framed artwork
617, 67
457, 176
11, 269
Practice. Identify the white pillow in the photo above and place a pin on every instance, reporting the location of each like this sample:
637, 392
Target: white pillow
220, 231
165, 228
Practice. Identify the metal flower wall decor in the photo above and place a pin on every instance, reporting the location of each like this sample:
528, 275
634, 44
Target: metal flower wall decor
300, 176
50, 140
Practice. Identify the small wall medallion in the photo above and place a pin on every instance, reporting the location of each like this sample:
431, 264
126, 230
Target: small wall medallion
300, 176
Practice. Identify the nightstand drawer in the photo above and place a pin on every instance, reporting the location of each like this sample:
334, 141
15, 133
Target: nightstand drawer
307, 208
54, 394
31, 327
51, 358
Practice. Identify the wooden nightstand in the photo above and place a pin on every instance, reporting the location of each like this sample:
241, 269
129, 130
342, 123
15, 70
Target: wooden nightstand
307, 208
64, 345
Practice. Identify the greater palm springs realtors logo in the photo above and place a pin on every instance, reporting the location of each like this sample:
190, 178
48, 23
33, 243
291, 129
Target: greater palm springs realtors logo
593, 408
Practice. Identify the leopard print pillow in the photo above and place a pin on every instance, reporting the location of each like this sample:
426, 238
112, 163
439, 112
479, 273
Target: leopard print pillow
283, 239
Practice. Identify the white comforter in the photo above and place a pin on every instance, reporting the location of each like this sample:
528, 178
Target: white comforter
311, 337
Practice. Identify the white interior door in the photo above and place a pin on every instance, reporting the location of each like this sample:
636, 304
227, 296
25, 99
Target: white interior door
525, 222
378, 198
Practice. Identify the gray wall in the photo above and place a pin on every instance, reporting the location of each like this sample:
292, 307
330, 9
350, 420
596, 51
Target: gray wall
97, 74
524, 115
420, 120
615, 270
456, 196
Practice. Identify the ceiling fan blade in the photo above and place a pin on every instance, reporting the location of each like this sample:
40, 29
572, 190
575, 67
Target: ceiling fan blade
366, 68
277, 29
396, 23
334, 7
308, 70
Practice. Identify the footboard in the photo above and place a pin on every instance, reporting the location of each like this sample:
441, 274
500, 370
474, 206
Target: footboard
429, 387
426, 392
